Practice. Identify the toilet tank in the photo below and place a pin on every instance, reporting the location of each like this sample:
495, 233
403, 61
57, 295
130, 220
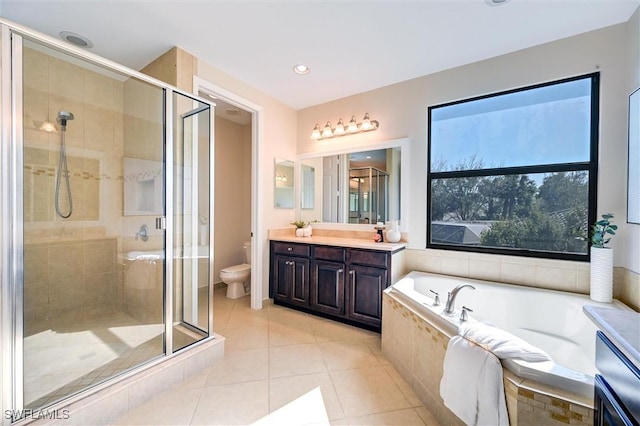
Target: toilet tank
247, 252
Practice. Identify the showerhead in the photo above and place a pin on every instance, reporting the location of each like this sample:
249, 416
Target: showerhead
63, 117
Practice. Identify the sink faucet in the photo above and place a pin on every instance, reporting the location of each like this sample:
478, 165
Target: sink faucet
451, 298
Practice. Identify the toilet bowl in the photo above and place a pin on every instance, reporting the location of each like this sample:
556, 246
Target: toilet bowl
235, 276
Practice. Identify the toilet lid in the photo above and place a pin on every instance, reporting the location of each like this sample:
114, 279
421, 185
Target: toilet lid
237, 268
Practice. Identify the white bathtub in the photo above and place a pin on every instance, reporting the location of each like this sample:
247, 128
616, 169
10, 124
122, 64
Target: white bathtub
550, 320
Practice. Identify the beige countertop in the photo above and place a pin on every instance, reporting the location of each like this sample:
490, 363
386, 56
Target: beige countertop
341, 242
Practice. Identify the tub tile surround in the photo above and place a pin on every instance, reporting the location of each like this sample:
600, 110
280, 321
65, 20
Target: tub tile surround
551, 274
416, 350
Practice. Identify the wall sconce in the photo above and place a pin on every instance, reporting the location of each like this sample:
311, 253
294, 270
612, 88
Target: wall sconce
353, 127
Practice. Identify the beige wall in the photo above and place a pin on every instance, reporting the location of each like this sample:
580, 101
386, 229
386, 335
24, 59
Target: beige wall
232, 226
402, 112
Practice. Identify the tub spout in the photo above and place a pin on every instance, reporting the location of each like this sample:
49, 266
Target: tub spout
451, 298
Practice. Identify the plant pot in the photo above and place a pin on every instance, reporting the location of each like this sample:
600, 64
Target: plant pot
601, 283
307, 231
393, 234
299, 232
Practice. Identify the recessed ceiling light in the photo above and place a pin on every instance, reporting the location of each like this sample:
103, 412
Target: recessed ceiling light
301, 69
76, 39
496, 2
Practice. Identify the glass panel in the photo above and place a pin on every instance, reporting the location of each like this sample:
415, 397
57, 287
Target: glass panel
93, 278
545, 125
191, 218
536, 211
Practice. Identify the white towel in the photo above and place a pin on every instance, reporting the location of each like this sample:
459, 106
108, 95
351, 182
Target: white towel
471, 384
500, 342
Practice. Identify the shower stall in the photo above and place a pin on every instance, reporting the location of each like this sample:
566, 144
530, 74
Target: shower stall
368, 195
105, 177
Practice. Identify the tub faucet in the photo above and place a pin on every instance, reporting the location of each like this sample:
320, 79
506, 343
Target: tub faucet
451, 298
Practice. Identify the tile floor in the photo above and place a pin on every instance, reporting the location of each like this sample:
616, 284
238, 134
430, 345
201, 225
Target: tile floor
283, 367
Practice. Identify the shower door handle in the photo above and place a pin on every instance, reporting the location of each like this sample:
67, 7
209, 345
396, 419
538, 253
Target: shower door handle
161, 223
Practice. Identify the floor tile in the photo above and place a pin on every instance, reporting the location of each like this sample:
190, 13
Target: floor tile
347, 354
241, 366
294, 360
284, 367
305, 399
407, 417
367, 391
234, 404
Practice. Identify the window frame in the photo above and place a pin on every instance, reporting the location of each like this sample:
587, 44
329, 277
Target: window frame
591, 167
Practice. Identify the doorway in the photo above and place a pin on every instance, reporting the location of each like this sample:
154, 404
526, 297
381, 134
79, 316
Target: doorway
234, 111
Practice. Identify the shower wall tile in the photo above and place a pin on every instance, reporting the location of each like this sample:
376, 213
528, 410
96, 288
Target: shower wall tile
36, 69
66, 295
99, 290
65, 261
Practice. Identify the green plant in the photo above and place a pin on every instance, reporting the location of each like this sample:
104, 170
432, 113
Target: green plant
601, 230
299, 223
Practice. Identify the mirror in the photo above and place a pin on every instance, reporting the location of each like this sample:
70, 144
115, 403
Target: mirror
307, 186
370, 179
284, 184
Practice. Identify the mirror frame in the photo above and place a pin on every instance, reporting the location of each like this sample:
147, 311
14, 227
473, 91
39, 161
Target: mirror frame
402, 143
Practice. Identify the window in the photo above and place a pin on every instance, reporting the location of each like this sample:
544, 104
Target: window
515, 172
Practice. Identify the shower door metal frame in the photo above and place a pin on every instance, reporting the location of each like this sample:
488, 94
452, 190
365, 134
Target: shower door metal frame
12, 219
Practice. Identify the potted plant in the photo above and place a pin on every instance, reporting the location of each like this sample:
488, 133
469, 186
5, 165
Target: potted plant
300, 225
601, 283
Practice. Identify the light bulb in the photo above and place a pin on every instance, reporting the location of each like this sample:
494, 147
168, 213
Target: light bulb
353, 126
327, 132
315, 134
366, 122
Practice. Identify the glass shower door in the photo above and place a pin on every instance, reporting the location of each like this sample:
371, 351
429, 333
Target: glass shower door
191, 220
92, 186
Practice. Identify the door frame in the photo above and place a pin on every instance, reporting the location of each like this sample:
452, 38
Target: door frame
257, 230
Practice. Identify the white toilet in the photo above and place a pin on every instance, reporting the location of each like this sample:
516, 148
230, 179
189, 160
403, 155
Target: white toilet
235, 276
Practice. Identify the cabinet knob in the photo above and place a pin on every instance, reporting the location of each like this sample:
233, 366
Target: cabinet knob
340, 270
289, 248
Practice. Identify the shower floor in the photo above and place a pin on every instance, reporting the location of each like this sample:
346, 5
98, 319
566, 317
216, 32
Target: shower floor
62, 360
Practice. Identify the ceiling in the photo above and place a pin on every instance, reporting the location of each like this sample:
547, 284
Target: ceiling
351, 46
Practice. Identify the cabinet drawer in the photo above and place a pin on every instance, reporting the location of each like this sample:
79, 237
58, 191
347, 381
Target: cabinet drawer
291, 249
371, 258
335, 254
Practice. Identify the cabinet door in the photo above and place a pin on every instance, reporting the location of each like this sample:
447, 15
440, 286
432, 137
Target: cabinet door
327, 287
281, 278
365, 286
299, 281
291, 280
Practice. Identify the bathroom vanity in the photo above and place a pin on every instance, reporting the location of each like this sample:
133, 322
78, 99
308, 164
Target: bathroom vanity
337, 278
617, 385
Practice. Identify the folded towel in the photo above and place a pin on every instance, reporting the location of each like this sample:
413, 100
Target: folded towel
500, 342
471, 384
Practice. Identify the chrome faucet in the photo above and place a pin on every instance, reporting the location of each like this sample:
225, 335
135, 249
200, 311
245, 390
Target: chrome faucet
451, 298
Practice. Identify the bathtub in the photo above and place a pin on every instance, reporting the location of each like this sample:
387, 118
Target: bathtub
551, 320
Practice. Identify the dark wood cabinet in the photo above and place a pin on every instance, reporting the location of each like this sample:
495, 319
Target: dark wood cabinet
327, 287
290, 276
341, 283
365, 294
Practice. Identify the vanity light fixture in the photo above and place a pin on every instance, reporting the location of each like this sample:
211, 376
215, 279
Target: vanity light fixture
281, 178
353, 127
